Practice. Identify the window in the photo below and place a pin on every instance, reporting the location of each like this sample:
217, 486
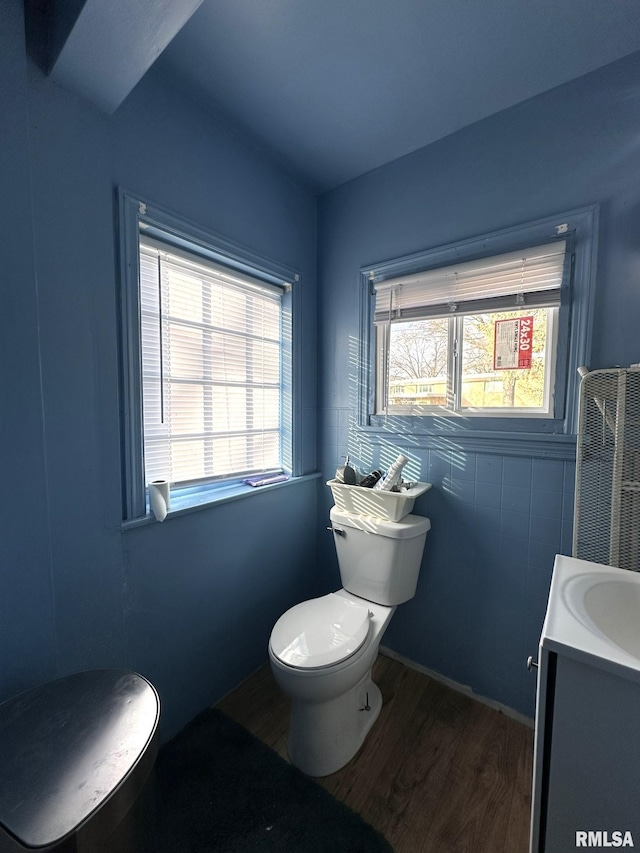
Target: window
480, 336
208, 358
211, 363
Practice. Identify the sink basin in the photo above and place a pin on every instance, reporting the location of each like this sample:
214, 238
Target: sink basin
594, 610
614, 606
608, 602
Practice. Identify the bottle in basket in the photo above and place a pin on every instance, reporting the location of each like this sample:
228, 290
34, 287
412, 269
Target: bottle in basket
393, 475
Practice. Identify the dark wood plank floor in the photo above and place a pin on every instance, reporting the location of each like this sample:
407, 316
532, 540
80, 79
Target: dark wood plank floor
438, 773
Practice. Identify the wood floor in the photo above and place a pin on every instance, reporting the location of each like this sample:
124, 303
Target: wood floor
438, 773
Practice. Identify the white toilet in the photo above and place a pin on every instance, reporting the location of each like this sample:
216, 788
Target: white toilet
322, 650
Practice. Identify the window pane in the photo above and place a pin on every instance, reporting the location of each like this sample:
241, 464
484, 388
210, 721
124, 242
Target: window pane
228, 309
211, 360
188, 460
265, 408
183, 295
485, 384
418, 357
228, 361
184, 352
185, 407
264, 362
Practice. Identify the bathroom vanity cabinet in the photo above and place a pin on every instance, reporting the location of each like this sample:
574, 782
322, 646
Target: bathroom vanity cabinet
587, 741
587, 764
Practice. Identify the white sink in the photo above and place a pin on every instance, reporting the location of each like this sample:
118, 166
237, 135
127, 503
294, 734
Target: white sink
614, 607
595, 610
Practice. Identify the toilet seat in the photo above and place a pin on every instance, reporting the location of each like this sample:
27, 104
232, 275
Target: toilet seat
320, 632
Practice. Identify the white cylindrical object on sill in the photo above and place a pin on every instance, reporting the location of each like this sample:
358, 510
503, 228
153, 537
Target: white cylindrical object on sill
159, 498
393, 476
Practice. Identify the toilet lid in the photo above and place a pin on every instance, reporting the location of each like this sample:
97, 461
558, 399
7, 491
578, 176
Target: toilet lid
320, 632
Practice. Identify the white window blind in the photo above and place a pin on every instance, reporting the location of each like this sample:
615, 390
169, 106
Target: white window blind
525, 278
211, 365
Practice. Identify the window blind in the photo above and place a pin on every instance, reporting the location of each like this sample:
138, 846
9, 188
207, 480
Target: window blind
211, 367
530, 278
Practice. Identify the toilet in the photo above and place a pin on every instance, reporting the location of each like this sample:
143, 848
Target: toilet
322, 650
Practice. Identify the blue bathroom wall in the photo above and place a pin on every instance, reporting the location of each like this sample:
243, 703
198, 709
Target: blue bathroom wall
27, 644
188, 603
498, 520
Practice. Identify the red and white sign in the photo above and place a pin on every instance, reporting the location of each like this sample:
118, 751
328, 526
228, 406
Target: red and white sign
513, 343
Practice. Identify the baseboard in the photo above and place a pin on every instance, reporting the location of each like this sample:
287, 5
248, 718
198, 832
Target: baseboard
454, 685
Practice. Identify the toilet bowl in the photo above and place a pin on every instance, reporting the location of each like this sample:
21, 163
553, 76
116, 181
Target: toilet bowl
333, 704
322, 651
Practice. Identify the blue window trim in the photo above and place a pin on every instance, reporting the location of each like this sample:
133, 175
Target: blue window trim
550, 437
135, 213
192, 499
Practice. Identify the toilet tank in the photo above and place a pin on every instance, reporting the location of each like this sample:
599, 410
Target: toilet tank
379, 560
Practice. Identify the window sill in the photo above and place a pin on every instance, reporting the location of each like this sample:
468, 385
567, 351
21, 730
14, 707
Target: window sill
189, 500
545, 445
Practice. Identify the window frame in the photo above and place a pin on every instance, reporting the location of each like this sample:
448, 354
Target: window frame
580, 229
136, 215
